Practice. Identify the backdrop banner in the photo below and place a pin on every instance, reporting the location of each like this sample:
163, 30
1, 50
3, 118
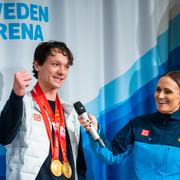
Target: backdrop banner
120, 47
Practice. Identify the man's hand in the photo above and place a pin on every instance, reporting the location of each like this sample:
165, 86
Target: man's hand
21, 82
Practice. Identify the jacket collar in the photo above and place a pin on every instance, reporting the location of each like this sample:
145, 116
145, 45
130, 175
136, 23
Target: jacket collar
167, 120
175, 115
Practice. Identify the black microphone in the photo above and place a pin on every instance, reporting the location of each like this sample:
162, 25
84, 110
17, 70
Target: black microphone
81, 111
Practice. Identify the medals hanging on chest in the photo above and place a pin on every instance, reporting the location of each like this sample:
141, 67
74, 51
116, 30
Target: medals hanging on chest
58, 125
56, 167
66, 169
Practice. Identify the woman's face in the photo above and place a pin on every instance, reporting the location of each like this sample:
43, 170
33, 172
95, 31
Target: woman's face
167, 95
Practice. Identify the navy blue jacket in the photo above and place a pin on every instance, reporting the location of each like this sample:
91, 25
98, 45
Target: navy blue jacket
153, 141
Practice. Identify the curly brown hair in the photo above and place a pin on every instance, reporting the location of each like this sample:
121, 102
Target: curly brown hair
44, 49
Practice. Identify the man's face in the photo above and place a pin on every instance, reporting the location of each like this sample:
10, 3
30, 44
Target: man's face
53, 72
167, 95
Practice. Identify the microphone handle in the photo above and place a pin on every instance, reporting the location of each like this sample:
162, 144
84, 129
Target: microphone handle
100, 141
93, 132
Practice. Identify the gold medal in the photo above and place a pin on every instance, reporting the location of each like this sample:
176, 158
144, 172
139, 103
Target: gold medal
66, 169
56, 167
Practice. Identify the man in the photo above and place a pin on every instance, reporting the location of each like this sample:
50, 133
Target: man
41, 132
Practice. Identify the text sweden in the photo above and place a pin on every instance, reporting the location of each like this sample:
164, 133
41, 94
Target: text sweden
22, 30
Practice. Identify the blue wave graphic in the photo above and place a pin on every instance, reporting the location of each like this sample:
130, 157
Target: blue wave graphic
141, 102
129, 95
156, 61
2, 163
174, 29
135, 98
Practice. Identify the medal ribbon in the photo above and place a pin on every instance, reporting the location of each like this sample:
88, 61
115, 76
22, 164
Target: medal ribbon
57, 120
44, 115
62, 136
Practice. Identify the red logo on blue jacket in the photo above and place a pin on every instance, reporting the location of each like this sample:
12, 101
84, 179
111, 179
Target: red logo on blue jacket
145, 132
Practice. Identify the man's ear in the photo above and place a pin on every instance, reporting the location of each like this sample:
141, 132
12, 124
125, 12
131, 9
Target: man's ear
36, 66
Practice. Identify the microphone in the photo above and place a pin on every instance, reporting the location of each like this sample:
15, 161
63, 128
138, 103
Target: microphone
81, 111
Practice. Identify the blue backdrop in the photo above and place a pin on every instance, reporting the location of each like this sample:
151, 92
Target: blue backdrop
121, 47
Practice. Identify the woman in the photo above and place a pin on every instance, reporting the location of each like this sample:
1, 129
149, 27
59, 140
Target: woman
153, 140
